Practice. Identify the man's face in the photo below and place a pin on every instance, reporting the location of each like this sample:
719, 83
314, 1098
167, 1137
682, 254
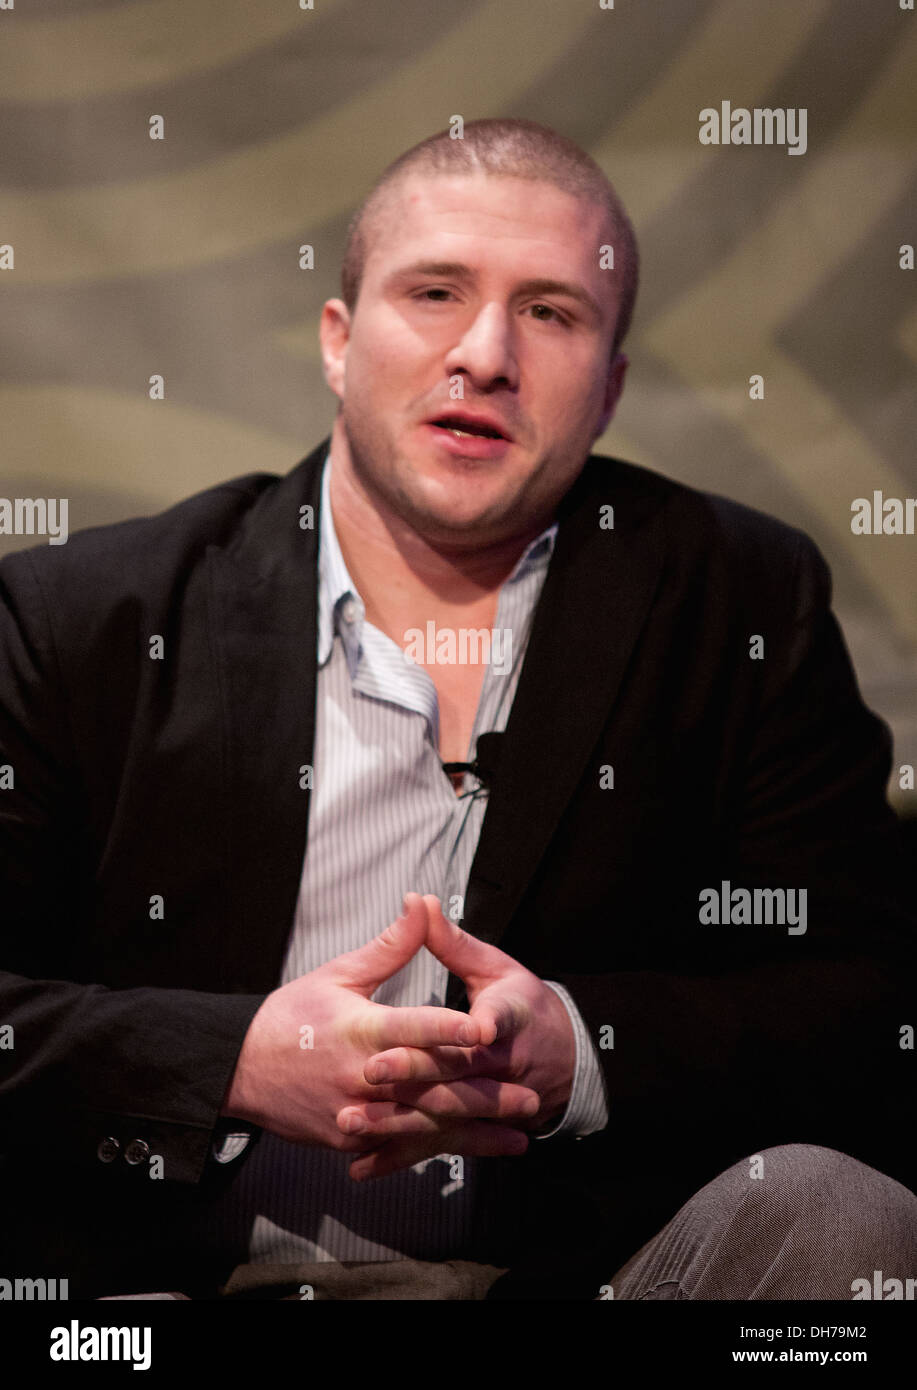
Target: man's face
493, 283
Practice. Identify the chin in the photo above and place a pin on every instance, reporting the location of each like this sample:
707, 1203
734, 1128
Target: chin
433, 510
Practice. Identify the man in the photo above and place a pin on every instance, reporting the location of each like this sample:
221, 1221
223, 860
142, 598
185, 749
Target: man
669, 1064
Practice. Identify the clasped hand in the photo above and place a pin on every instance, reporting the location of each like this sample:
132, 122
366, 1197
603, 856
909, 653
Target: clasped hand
480, 1098
322, 1064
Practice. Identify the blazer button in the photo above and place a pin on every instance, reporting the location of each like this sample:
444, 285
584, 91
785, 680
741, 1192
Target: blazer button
137, 1151
108, 1150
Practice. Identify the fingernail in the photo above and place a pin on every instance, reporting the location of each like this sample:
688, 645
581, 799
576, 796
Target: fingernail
381, 1072
354, 1124
532, 1106
467, 1035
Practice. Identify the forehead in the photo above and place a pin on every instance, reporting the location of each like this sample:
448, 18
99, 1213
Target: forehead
500, 220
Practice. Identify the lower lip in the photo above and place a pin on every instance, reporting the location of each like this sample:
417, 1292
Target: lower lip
473, 446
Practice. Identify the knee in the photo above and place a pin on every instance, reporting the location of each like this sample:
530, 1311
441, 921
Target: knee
798, 1172
835, 1199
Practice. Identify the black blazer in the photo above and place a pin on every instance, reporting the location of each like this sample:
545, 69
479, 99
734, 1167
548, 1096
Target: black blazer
180, 777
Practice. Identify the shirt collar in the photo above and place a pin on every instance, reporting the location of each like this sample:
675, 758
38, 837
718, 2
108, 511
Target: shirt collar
340, 607
334, 583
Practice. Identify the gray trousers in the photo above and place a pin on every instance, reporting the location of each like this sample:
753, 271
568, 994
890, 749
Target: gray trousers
803, 1223
796, 1222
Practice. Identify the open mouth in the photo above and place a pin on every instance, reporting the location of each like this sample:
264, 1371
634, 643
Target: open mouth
464, 429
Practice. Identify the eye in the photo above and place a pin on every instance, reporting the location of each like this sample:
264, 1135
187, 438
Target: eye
433, 289
558, 317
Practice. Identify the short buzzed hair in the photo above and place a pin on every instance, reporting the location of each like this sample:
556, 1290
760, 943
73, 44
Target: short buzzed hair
505, 148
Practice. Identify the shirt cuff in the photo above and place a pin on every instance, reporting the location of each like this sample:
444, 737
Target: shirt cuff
228, 1144
587, 1108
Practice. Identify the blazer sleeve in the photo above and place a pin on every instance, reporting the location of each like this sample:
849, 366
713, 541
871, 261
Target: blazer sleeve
775, 1037
82, 1065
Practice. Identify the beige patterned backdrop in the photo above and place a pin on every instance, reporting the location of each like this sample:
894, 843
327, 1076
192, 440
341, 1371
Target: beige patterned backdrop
133, 256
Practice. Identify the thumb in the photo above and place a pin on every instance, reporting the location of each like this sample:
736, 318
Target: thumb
497, 1001
365, 969
474, 961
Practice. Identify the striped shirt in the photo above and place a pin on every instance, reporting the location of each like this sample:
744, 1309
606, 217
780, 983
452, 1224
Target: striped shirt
384, 819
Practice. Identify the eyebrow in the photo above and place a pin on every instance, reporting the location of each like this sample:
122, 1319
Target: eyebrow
457, 270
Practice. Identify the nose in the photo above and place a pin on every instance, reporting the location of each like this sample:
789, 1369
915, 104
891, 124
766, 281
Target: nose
486, 351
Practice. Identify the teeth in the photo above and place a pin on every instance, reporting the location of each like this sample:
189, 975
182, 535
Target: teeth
460, 433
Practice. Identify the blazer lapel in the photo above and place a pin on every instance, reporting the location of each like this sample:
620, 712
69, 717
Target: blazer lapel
596, 597
264, 601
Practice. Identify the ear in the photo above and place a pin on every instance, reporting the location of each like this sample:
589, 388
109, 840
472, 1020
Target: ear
614, 385
334, 335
